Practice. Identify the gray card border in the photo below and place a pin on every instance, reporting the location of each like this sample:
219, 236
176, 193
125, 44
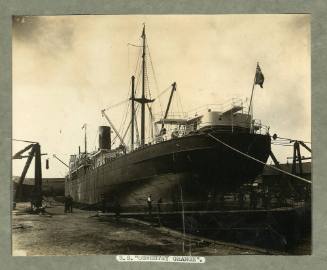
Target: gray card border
317, 9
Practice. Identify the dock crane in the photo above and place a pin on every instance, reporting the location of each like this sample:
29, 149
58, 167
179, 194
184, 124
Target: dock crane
303, 191
35, 151
297, 156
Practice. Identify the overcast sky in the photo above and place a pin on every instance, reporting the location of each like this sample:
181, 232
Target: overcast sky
67, 68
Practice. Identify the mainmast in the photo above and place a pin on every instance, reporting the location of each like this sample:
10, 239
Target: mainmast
143, 100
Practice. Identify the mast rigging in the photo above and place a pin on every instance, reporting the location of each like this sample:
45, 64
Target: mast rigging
143, 100
133, 114
114, 128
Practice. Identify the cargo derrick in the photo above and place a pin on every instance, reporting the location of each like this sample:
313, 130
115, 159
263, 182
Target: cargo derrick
163, 131
122, 143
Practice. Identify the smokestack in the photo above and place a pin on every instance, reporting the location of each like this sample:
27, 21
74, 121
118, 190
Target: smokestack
104, 137
79, 150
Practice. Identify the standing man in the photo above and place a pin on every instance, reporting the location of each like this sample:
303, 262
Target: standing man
103, 203
149, 201
66, 204
70, 203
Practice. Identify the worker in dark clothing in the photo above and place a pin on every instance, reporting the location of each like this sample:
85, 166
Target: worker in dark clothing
103, 204
149, 201
70, 203
66, 204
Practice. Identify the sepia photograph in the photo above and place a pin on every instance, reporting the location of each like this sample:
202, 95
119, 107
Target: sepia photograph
161, 135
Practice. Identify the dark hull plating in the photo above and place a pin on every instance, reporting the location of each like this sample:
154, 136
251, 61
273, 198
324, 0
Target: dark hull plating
195, 165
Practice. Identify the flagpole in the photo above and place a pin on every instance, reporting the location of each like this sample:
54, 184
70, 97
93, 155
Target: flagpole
251, 95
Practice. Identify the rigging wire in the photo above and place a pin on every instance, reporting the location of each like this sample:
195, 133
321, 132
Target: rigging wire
95, 138
130, 122
126, 112
117, 104
138, 68
282, 144
138, 80
287, 139
133, 45
122, 124
163, 91
146, 81
180, 102
128, 65
152, 120
137, 132
138, 60
154, 76
16, 140
126, 100
259, 161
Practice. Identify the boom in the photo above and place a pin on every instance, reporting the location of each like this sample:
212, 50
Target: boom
60, 161
169, 103
113, 127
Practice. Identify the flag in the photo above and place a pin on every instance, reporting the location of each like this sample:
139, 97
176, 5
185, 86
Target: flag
84, 126
259, 78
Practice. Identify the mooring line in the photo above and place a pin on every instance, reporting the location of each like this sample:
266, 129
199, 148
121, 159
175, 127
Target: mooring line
259, 161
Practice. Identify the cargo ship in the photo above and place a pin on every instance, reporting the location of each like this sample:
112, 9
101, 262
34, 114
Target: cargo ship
187, 160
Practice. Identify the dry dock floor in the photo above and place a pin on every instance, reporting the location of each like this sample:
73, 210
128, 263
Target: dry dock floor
82, 233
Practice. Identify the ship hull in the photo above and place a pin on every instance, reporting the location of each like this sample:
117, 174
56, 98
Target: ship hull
194, 168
